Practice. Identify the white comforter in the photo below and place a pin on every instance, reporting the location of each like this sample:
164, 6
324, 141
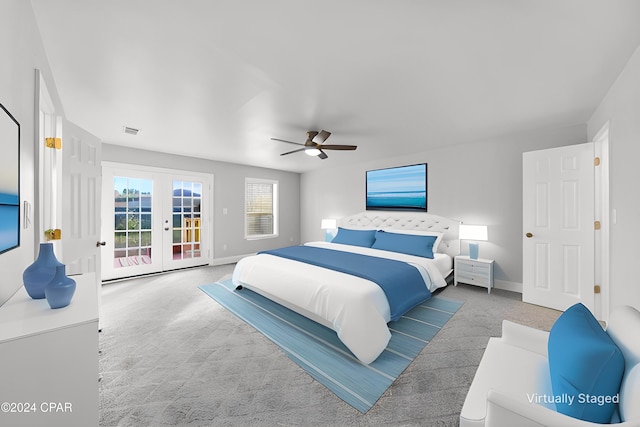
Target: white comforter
356, 308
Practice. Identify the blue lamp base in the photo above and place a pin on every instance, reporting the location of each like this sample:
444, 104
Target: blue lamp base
473, 250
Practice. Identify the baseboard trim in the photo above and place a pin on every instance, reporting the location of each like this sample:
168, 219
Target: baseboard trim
507, 286
229, 259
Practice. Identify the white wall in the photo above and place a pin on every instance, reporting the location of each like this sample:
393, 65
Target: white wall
228, 193
22, 53
621, 106
477, 183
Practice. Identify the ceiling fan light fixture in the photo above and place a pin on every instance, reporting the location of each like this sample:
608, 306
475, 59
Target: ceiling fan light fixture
311, 151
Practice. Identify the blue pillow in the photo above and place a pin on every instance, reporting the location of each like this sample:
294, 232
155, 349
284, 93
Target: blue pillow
586, 366
410, 244
355, 237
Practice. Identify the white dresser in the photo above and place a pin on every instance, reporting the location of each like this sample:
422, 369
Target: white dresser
477, 272
49, 359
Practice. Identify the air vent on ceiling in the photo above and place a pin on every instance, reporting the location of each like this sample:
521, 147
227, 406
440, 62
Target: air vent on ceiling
130, 130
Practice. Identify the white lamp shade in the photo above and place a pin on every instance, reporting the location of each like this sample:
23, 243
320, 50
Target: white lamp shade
329, 224
473, 232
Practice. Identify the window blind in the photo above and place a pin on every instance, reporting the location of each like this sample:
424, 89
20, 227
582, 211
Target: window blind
259, 210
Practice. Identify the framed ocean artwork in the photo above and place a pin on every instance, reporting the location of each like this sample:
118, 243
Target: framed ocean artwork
402, 188
9, 181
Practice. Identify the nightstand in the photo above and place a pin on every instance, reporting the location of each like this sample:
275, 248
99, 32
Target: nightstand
477, 272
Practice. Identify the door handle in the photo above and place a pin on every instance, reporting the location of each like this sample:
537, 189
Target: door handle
98, 244
529, 235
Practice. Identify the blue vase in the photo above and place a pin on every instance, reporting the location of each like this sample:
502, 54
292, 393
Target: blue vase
40, 273
60, 289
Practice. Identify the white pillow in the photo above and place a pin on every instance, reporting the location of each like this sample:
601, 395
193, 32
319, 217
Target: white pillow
630, 395
439, 235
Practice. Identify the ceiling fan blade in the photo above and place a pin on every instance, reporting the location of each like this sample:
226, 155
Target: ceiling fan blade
322, 155
294, 151
321, 137
338, 147
311, 134
288, 142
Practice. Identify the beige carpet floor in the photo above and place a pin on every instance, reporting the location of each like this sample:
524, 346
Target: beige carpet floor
171, 356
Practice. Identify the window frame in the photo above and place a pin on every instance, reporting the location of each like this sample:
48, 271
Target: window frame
274, 208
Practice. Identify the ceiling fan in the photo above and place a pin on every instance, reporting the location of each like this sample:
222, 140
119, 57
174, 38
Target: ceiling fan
315, 146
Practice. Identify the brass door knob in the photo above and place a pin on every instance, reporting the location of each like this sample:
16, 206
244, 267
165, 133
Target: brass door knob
529, 235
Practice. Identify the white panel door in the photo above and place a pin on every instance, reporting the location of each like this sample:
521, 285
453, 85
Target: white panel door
81, 193
558, 226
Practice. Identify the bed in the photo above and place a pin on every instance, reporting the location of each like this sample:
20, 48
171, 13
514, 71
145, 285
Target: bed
350, 302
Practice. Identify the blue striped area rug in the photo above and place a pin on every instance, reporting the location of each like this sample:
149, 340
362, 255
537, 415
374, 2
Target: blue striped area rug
319, 351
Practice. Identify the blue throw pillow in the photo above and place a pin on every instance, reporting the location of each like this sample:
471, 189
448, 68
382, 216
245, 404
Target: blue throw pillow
355, 237
405, 243
586, 366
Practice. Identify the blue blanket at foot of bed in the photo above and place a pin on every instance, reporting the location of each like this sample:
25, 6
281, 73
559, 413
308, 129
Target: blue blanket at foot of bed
402, 283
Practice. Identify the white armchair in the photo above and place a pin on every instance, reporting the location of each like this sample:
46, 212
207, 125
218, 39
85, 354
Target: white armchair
512, 382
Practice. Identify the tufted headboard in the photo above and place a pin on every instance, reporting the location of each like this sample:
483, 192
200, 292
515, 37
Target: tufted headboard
408, 221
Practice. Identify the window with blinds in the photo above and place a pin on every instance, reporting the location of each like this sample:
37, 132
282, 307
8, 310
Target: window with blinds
261, 201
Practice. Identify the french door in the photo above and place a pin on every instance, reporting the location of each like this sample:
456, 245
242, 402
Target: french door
154, 220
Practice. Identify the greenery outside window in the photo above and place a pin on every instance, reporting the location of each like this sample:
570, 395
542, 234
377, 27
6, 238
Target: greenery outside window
261, 208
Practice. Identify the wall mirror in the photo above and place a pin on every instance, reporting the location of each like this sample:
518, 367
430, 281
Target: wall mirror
9, 181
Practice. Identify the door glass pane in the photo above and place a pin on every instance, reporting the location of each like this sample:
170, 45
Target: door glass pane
145, 238
145, 221
120, 240
132, 219
121, 221
187, 199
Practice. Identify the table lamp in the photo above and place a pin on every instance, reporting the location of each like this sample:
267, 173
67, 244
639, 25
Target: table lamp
328, 225
475, 233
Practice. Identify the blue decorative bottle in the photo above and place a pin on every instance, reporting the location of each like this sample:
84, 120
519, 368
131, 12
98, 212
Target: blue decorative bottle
60, 289
40, 273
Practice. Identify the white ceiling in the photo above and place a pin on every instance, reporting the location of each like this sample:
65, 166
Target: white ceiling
217, 78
